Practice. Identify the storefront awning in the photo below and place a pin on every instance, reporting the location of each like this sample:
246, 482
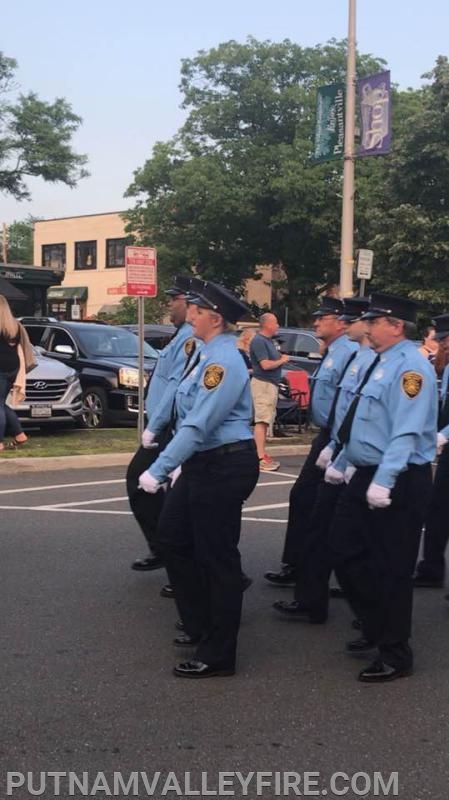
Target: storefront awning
67, 293
10, 292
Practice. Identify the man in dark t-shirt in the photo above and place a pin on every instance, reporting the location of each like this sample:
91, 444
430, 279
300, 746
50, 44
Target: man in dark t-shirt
266, 363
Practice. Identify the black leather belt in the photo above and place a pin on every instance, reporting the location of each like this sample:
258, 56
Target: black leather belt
233, 447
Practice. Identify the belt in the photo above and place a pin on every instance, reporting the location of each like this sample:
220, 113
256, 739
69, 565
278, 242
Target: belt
233, 447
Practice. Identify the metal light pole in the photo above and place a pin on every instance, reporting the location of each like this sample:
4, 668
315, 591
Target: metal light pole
347, 220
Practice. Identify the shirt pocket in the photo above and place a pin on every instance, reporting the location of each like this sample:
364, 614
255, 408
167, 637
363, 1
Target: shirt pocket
369, 403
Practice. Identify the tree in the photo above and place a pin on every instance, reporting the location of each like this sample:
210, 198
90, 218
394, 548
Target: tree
409, 226
236, 187
20, 242
35, 139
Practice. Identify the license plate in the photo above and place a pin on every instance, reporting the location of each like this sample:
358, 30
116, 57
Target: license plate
41, 411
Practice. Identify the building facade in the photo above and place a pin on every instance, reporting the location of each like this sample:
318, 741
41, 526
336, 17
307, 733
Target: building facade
90, 253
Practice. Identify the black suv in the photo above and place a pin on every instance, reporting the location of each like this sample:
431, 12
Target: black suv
303, 347
106, 359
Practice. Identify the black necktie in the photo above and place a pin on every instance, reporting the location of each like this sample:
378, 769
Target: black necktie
344, 431
443, 416
330, 420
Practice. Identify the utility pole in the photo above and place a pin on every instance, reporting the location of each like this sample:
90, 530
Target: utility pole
347, 220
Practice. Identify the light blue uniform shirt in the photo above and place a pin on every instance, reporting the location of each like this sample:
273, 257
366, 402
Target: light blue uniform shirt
213, 405
347, 388
167, 374
396, 418
444, 389
326, 378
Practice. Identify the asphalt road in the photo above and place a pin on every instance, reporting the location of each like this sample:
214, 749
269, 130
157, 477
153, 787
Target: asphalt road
87, 658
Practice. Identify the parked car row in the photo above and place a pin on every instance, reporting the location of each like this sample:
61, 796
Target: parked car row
105, 357
88, 373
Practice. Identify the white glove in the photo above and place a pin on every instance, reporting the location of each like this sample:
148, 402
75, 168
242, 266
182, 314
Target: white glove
175, 475
441, 441
333, 475
349, 473
324, 457
378, 496
148, 438
148, 483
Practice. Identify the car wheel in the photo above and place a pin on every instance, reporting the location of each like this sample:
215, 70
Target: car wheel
95, 408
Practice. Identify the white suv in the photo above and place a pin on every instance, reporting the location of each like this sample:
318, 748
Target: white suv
53, 393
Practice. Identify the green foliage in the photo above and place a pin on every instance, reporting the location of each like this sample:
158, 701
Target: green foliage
20, 242
236, 188
409, 225
35, 139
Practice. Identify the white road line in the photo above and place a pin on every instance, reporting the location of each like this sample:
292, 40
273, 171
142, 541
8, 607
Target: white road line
121, 480
59, 486
281, 474
263, 519
264, 508
274, 483
68, 510
84, 502
82, 510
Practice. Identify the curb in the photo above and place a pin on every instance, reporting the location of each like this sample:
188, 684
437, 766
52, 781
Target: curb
15, 466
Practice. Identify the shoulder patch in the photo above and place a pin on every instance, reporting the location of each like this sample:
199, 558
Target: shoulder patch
189, 346
213, 376
411, 383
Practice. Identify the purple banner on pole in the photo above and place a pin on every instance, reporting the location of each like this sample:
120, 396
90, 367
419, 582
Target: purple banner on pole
375, 114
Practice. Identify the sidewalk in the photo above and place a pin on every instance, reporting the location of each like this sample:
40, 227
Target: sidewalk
15, 466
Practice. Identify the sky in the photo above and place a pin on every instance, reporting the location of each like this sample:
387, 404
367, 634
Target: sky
118, 64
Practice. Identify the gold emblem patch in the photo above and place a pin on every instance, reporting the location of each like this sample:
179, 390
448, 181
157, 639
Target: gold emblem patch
189, 346
412, 383
213, 376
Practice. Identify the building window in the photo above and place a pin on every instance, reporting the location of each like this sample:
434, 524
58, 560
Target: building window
53, 256
115, 252
86, 255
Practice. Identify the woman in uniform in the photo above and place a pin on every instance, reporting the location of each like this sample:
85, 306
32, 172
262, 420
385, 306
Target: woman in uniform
199, 528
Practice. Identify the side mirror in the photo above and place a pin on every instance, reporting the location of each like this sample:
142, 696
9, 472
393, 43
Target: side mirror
64, 350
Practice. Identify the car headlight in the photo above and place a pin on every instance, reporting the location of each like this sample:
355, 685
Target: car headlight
127, 376
72, 377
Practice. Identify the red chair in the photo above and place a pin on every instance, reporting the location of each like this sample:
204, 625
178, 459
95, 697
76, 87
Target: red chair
298, 381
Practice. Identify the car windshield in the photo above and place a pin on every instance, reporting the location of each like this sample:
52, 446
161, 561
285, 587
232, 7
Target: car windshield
113, 342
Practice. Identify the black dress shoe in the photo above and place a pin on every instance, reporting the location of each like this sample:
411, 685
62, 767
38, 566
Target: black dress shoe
184, 640
167, 591
285, 577
297, 610
335, 591
146, 564
422, 582
379, 672
361, 645
179, 625
197, 669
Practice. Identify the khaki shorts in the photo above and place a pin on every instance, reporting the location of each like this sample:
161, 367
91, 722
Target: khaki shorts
265, 397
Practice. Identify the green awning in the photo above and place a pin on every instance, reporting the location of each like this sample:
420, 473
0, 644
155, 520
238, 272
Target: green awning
67, 293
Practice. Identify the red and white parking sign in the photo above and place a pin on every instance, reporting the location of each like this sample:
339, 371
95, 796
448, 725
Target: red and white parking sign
141, 271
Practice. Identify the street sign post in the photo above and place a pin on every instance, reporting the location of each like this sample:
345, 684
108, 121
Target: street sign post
141, 271
364, 268
141, 282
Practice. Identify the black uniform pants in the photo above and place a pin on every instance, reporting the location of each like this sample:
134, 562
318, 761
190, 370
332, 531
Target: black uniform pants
437, 525
374, 553
145, 507
198, 536
312, 580
302, 500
